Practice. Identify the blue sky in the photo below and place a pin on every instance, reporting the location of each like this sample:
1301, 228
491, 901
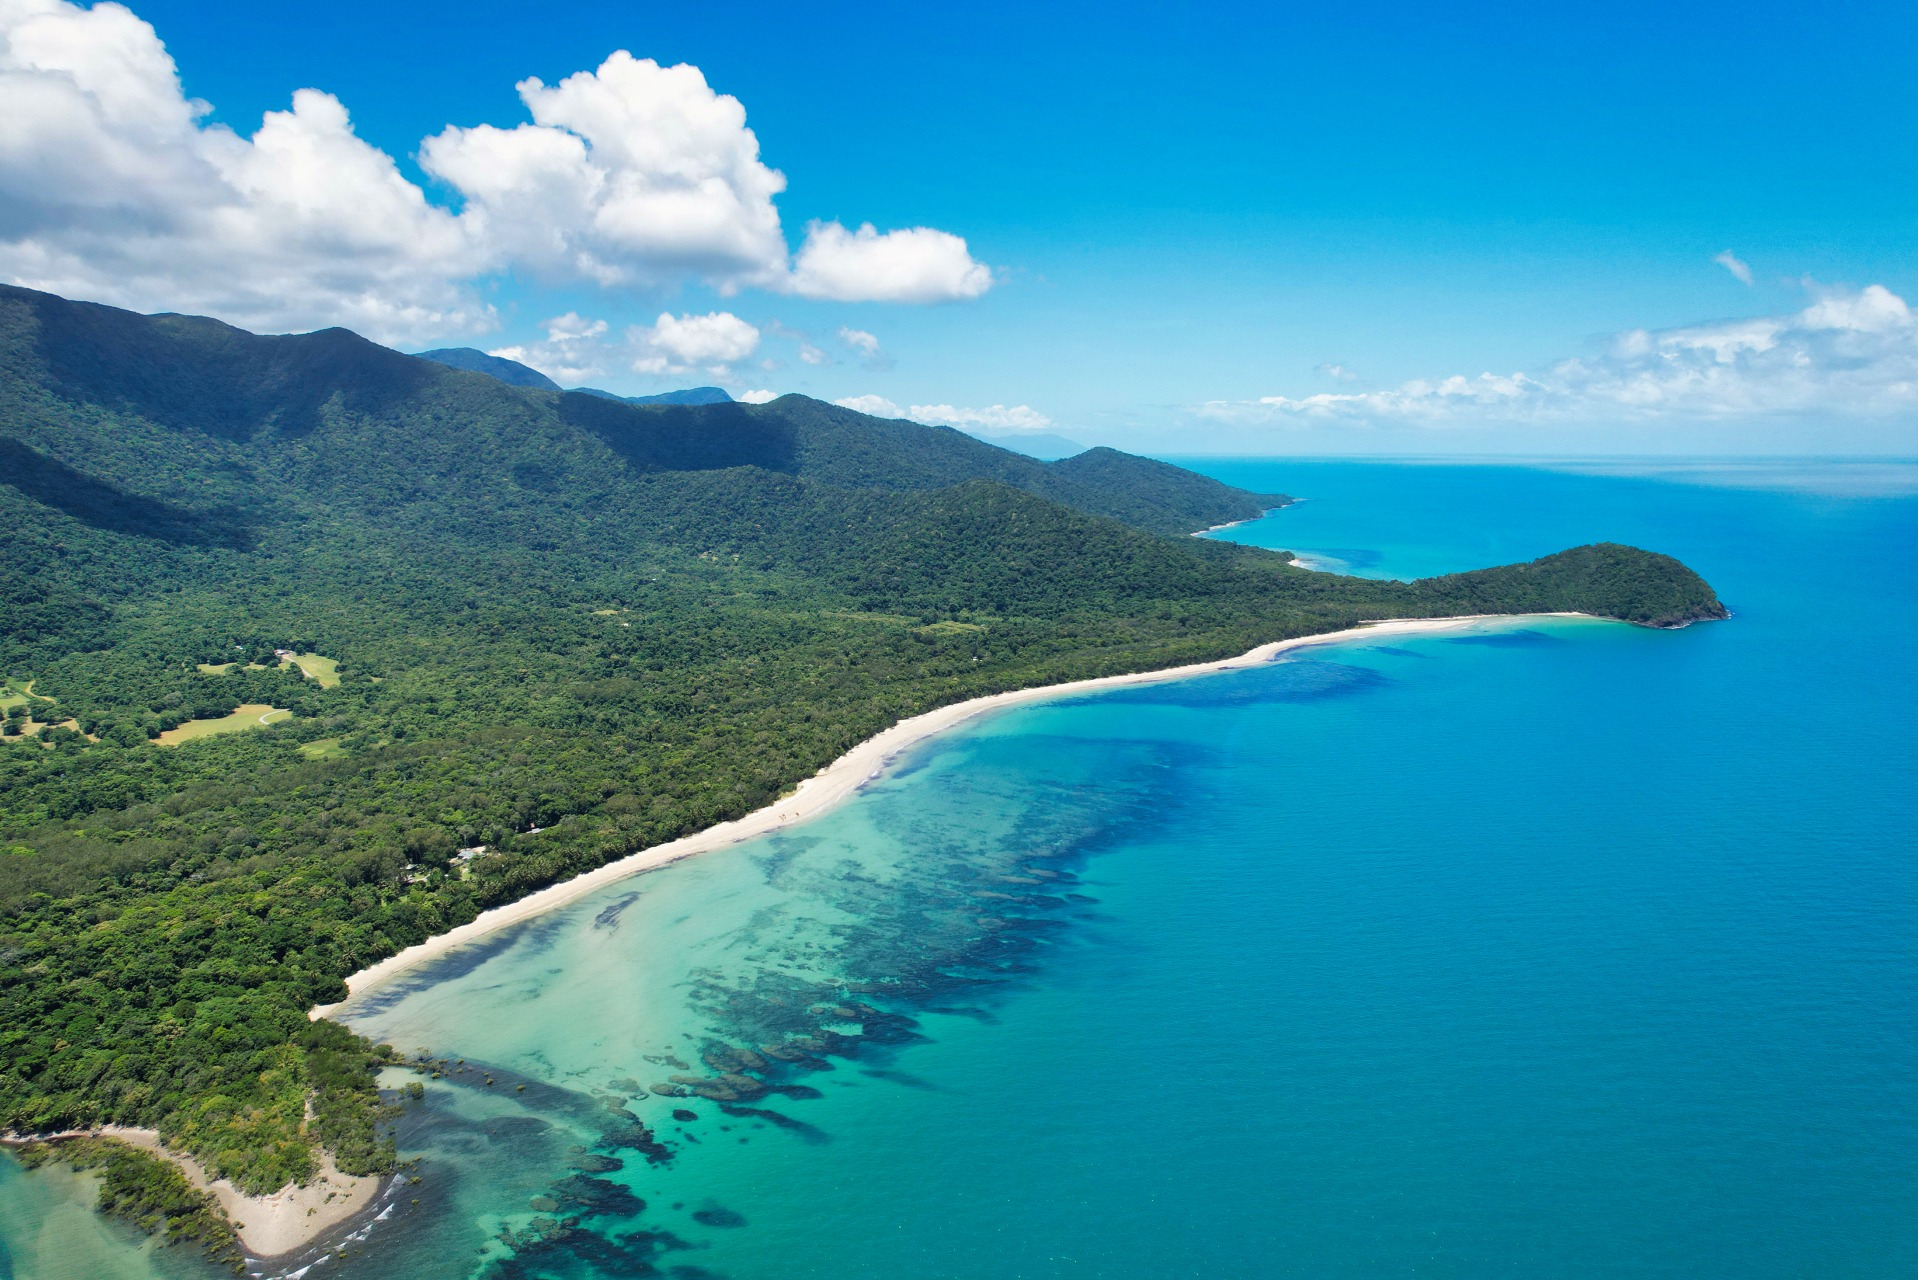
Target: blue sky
1258, 229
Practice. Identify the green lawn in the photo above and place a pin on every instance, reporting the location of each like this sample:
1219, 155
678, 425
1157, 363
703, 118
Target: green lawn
322, 749
250, 716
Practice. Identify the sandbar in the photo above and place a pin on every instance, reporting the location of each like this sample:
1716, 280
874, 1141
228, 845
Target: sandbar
268, 1226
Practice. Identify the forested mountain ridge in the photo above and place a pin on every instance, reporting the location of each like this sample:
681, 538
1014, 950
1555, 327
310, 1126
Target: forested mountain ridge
617, 624
186, 390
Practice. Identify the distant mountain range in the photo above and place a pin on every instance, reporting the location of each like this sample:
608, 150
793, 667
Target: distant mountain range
1045, 446
511, 372
691, 395
515, 374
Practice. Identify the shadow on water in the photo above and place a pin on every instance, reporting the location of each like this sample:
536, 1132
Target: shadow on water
1526, 639
1294, 680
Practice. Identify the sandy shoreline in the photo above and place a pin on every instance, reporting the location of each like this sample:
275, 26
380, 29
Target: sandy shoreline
840, 780
268, 1226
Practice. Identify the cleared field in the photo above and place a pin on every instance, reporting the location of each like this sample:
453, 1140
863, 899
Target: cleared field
322, 749
250, 716
24, 696
324, 670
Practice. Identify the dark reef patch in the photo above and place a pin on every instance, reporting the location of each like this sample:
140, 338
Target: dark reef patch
608, 918
1527, 639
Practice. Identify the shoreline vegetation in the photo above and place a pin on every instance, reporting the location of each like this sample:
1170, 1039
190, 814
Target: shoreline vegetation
845, 777
556, 630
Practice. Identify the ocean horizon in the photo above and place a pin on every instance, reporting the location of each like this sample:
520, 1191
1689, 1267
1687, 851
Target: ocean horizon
1548, 947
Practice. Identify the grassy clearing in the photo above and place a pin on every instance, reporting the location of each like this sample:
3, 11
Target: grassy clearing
24, 696
322, 749
31, 728
324, 670
950, 628
250, 716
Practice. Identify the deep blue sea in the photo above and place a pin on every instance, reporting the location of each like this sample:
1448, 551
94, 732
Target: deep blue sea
1563, 949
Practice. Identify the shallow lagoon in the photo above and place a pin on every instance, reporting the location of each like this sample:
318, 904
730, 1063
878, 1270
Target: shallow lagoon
1568, 949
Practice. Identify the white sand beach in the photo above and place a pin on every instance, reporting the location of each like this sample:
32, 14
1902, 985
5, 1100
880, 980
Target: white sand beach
843, 777
268, 1226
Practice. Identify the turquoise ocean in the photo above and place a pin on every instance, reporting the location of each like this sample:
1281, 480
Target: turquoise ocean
1557, 949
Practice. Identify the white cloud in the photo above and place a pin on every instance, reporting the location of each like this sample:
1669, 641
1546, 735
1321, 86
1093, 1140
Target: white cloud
573, 327
813, 355
114, 187
756, 397
631, 174
1337, 372
1875, 309
1019, 417
1850, 353
1731, 262
859, 340
554, 363
677, 344
877, 406
915, 265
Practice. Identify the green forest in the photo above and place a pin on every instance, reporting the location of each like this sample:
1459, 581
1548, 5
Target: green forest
565, 628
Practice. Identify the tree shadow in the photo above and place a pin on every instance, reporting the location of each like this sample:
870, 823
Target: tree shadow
93, 502
705, 437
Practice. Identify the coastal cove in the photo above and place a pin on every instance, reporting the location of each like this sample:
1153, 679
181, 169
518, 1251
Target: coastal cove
1495, 947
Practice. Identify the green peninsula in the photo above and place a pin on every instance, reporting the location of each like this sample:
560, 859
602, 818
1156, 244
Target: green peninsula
565, 628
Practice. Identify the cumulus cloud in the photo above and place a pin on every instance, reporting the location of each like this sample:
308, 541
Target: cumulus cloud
757, 397
813, 355
630, 174
1019, 417
877, 406
114, 186
1732, 263
859, 340
1850, 353
678, 344
914, 265
573, 327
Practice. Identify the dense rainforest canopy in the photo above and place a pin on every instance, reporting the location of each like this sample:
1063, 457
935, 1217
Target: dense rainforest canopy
542, 627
